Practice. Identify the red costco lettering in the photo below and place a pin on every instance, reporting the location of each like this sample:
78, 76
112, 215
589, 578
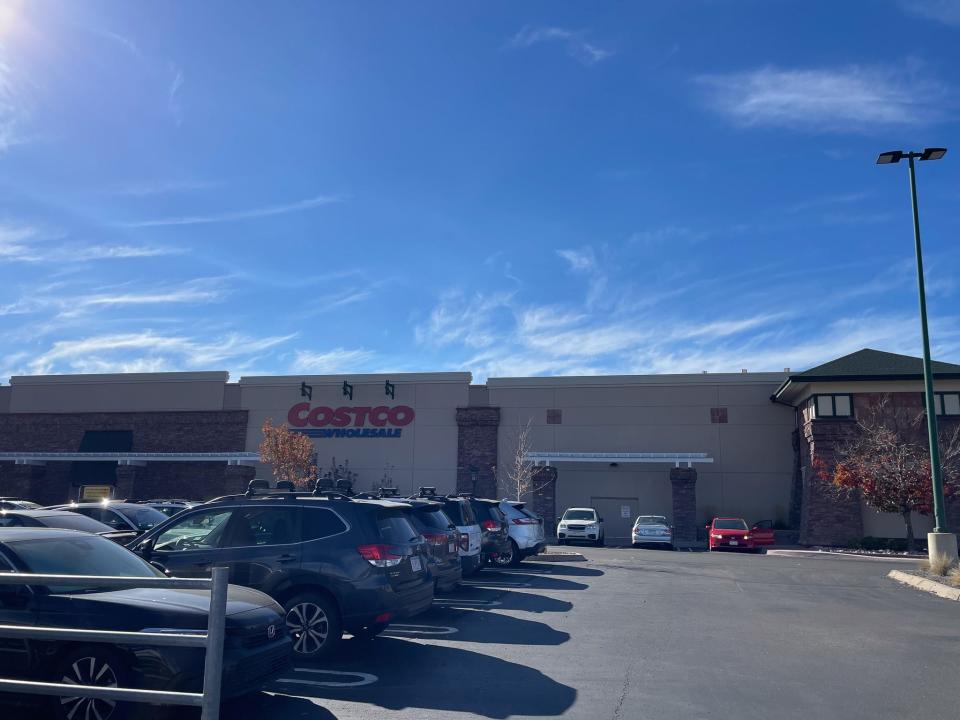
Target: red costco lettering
302, 415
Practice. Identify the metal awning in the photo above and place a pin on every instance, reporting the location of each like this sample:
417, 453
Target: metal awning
676, 458
128, 458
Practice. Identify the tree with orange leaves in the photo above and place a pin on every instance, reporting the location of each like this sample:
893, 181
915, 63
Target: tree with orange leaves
289, 453
887, 461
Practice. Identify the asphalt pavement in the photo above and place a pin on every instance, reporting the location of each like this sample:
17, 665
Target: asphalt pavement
648, 634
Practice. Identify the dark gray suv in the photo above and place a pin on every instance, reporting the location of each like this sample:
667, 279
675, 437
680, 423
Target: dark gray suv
335, 563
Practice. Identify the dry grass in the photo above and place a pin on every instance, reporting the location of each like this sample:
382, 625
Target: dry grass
940, 565
954, 576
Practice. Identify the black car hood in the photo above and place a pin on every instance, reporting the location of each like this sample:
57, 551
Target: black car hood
239, 600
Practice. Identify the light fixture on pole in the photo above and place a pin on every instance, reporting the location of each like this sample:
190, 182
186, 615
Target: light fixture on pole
939, 541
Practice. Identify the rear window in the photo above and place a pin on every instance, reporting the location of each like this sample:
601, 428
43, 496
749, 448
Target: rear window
143, 518
460, 512
395, 529
651, 520
431, 519
75, 521
513, 512
320, 523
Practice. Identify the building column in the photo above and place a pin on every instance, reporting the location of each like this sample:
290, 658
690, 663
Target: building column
684, 482
127, 480
544, 500
477, 450
236, 478
21, 481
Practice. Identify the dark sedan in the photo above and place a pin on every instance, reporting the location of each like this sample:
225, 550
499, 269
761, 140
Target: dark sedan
118, 515
65, 521
257, 647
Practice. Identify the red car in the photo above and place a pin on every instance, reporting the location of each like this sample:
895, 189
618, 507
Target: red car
735, 534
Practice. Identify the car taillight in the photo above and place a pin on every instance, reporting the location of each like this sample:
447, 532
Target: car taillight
490, 525
525, 521
438, 539
379, 555
464, 542
668, 531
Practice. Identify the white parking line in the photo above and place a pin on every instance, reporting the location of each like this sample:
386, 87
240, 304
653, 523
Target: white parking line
364, 678
455, 601
419, 630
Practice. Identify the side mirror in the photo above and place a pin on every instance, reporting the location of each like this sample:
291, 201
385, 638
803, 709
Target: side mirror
146, 549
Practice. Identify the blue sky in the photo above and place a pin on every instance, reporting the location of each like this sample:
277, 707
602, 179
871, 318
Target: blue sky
506, 188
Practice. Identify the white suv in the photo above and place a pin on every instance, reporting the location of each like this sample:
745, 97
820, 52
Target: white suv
581, 524
526, 534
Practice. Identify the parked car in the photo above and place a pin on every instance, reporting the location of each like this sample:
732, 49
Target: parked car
64, 520
460, 512
580, 524
12, 503
333, 562
257, 648
118, 515
735, 534
652, 529
494, 538
443, 541
525, 529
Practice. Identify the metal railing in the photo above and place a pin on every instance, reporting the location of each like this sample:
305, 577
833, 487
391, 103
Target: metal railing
212, 640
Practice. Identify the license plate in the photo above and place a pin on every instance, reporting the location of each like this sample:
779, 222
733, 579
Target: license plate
415, 563
734, 542
451, 547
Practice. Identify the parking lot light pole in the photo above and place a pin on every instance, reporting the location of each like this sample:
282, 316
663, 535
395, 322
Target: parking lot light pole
939, 541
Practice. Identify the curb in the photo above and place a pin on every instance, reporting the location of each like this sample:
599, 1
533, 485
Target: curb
558, 557
849, 556
930, 586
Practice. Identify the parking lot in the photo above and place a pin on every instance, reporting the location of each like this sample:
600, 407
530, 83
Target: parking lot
650, 634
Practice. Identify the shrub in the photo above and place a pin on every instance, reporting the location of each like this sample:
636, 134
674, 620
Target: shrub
954, 576
940, 565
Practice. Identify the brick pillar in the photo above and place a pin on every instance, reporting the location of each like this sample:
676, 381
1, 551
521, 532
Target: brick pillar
128, 477
236, 478
796, 482
684, 482
477, 450
22, 481
544, 501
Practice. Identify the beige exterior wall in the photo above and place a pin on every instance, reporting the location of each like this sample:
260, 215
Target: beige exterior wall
752, 452
424, 454
117, 393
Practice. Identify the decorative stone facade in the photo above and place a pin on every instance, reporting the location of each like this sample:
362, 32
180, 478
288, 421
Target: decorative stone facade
684, 483
544, 501
477, 450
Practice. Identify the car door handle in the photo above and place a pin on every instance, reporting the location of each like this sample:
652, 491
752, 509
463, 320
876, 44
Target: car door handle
288, 558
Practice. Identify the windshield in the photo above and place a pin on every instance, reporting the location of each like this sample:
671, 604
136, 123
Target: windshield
396, 529
729, 524
79, 555
74, 521
144, 517
431, 519
461, 512
651, 520
579, 515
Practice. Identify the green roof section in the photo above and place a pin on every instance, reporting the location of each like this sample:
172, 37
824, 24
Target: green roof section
868, 363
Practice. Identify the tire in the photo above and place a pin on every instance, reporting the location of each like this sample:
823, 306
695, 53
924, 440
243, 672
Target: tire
370, 631
91, 665
313, 620
510, 559
561, 542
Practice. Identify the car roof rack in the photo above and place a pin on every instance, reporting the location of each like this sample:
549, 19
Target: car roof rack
427, 491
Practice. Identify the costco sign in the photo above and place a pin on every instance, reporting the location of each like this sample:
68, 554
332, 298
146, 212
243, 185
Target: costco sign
350, 422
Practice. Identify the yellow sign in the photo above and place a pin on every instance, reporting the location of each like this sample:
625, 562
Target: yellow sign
96, 492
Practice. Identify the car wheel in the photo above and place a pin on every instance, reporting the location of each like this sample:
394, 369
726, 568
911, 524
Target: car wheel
370, 631
91, 666
505, 559
314, 622
561, 542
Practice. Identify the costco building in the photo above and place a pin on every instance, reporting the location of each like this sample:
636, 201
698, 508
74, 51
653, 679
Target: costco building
685, 446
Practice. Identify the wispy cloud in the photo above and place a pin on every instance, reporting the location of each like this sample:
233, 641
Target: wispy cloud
331, 362
580, 260
944, 11
576, 47
120, 40
161, 187
854, 98
26, 244
173, 99
267, 211
146, 351
13, 110
466, 319
666, 234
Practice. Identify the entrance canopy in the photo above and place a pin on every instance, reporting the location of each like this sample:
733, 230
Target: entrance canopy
547, 458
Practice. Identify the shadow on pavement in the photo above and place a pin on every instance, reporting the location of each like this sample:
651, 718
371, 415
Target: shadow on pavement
537, 582
482, 627
448, 679
499, 598
266, 705
558, 569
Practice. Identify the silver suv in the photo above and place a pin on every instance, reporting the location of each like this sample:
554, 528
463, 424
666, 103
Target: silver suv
526, 534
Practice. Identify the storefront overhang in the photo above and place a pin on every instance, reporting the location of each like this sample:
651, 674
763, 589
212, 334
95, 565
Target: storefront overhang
674, 458
128, 458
